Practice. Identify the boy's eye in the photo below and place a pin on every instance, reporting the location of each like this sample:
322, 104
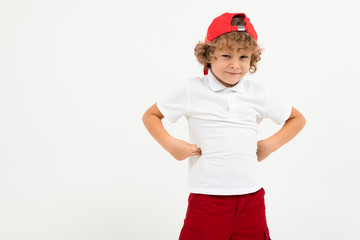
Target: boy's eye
226, 56
243, 57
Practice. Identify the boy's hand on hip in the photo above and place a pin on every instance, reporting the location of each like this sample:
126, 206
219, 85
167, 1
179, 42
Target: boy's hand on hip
264, 149
180, 149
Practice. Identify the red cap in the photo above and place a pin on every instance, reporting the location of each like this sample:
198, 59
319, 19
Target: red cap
222, 25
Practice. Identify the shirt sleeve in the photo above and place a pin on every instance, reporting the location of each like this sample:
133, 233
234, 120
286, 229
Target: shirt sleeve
277, 108
175, 104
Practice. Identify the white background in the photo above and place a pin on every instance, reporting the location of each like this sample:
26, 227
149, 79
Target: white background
76, 76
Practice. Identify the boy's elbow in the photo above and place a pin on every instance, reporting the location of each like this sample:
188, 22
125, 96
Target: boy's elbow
145, 117
148, 116
298, 118
153, 111
302, 120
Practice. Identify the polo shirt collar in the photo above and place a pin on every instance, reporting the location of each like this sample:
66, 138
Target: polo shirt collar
215, 85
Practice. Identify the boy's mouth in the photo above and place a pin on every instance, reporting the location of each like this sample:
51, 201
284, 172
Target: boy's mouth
232, 73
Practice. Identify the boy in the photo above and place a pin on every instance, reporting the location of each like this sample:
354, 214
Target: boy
223, 109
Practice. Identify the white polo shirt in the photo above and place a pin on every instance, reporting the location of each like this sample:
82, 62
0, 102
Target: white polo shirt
223, 123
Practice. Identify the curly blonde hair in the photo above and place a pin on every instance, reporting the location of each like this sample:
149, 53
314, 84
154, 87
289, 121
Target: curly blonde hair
204, 52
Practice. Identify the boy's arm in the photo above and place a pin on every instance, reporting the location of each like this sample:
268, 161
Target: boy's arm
152, 121
290, 129
179, 149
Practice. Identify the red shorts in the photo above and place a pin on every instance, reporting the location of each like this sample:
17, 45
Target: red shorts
226, 217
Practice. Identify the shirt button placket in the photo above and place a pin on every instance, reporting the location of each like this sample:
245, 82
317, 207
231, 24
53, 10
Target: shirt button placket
228, 100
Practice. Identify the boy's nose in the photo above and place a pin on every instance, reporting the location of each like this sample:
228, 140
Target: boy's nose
235, 64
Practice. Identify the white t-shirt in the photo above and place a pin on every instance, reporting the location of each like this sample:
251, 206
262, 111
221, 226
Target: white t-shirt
223, 123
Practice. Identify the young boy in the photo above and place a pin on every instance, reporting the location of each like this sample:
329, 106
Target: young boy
223, 110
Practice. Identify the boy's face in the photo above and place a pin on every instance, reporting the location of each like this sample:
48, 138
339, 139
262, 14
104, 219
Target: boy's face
229, 67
